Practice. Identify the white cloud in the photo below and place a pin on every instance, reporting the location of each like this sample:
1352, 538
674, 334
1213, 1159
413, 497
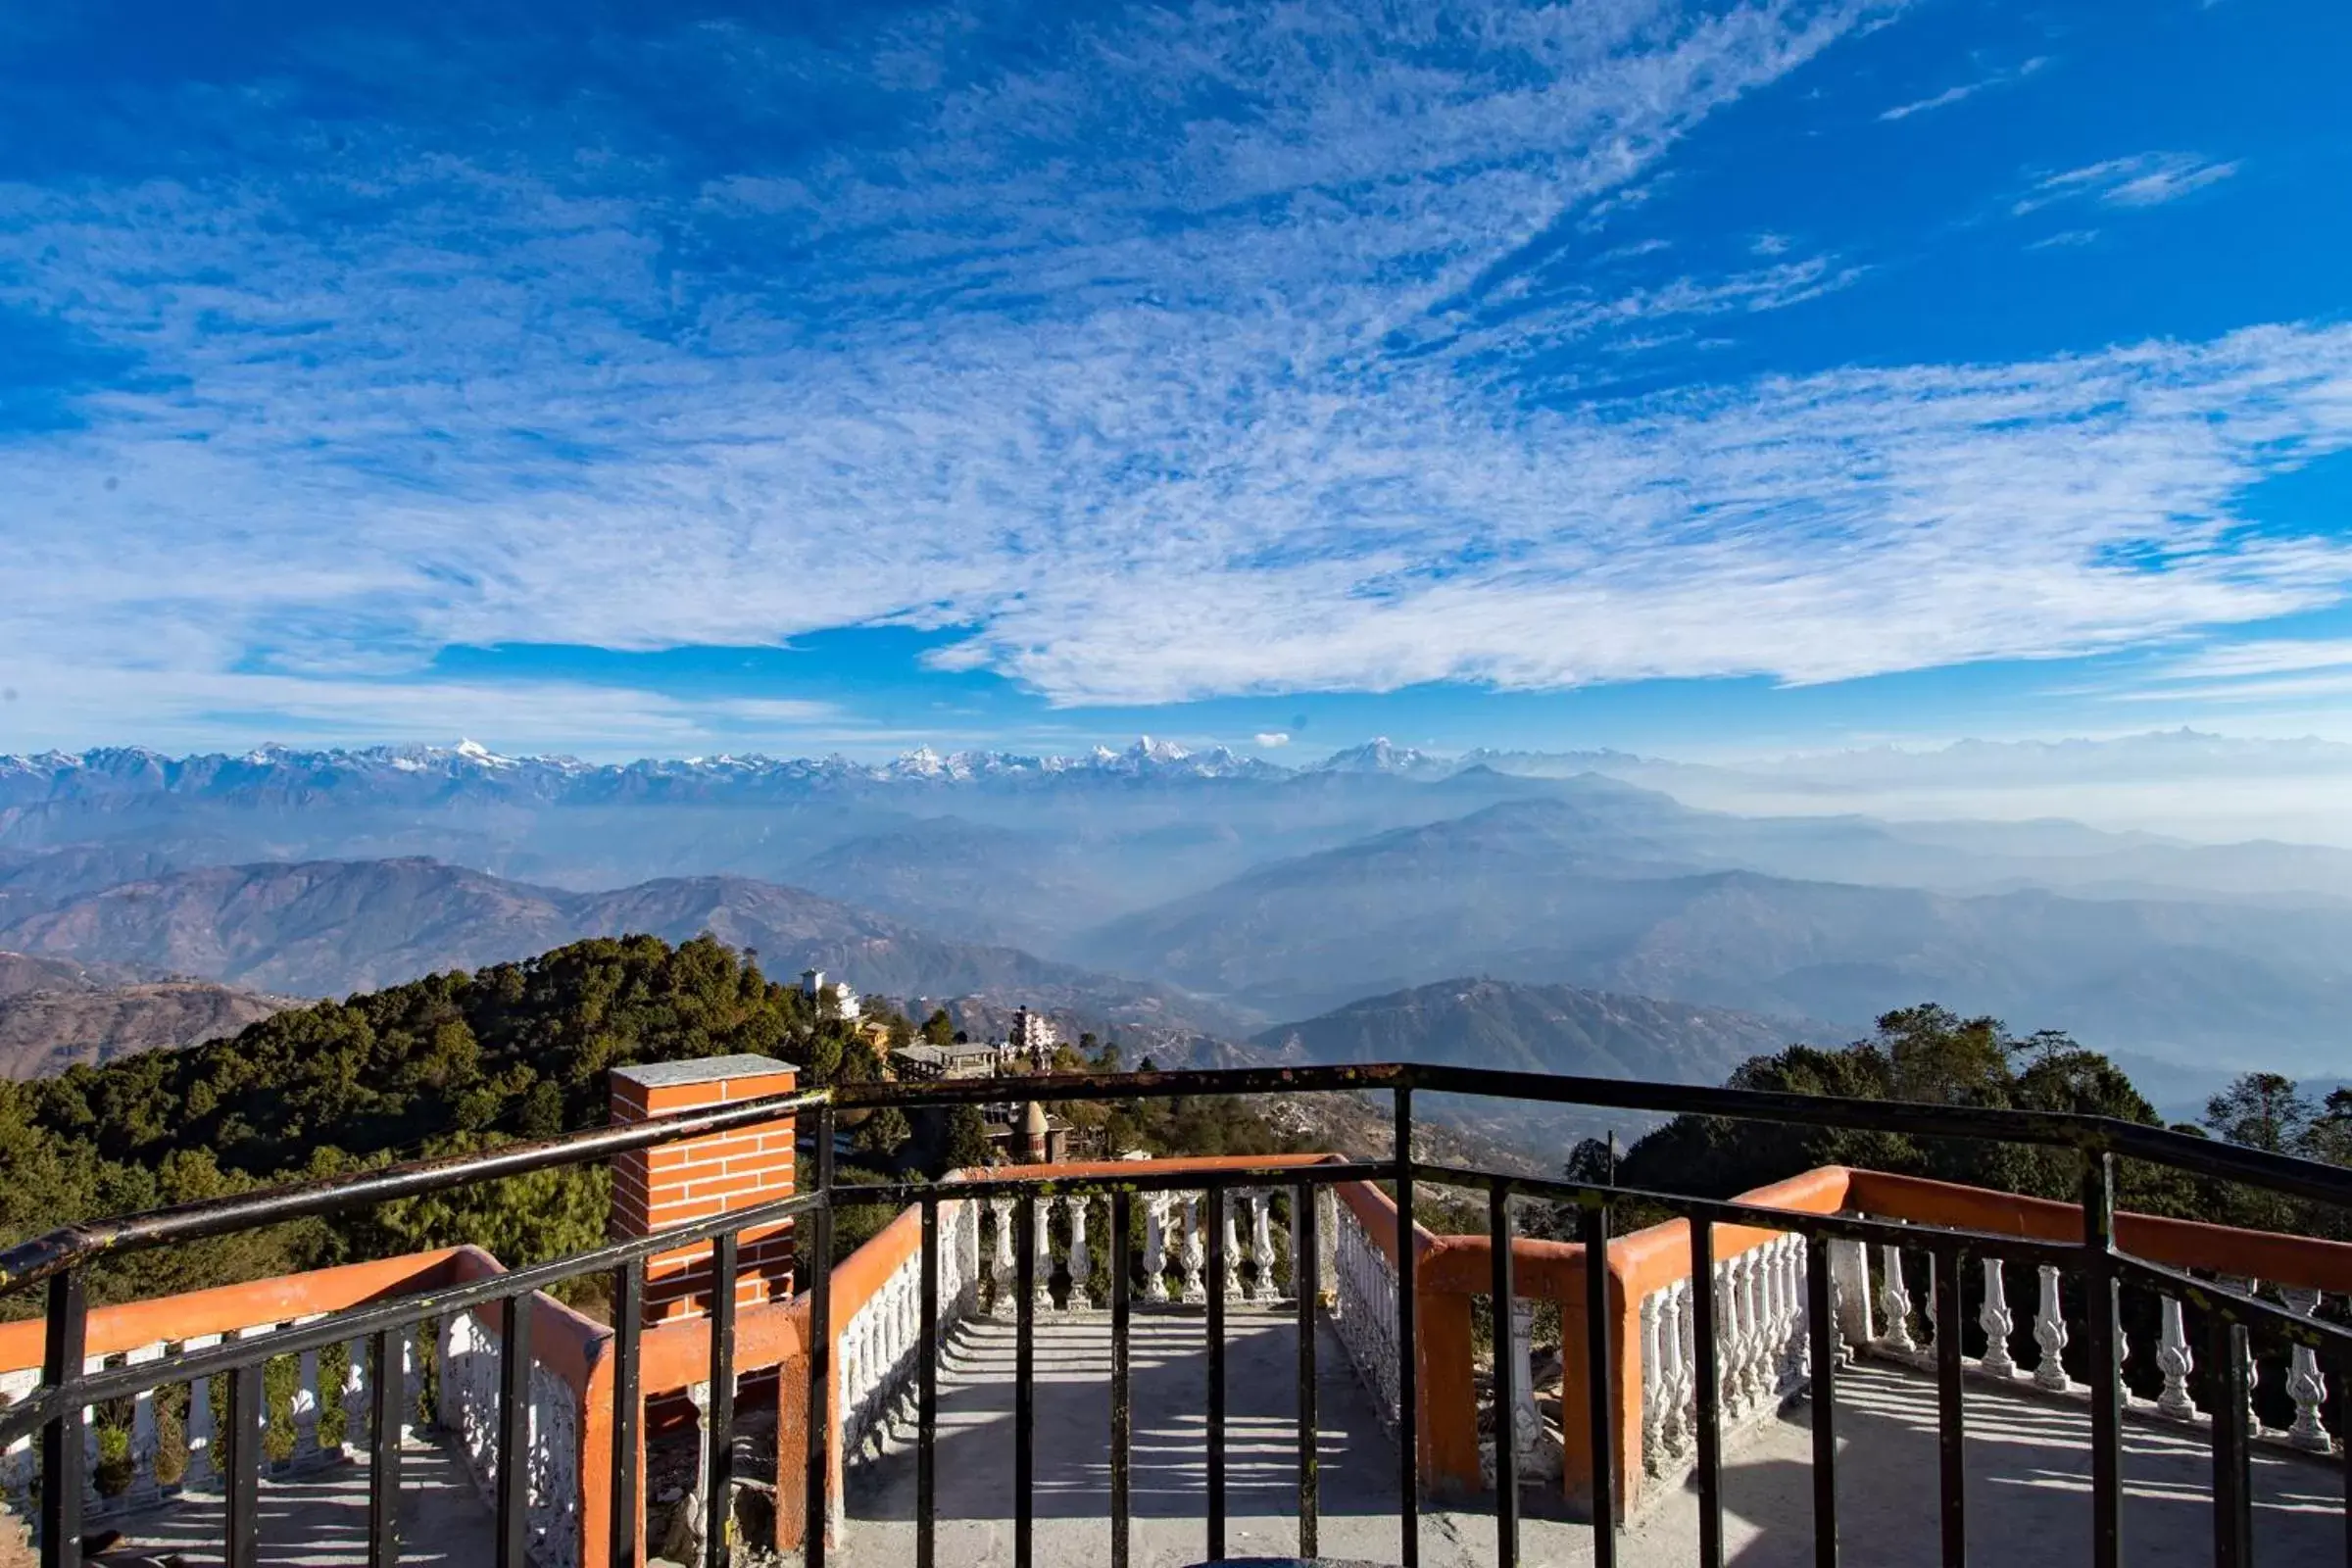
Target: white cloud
2266, 657
70, 704
1950, 95
1270, 739
2145, 179
1143, 442
2268, 690
1964, 92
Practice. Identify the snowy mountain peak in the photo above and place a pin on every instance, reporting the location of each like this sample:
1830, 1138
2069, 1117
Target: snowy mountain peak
1381, 756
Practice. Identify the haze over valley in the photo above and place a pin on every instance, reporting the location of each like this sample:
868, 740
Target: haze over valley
1206, 905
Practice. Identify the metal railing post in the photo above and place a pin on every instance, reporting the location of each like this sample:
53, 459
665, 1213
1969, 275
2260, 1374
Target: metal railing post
62, 1474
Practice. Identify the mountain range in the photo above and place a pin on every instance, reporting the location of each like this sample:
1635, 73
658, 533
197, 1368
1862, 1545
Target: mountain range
1580, 891
332, 927
1484, 1023
1198, 894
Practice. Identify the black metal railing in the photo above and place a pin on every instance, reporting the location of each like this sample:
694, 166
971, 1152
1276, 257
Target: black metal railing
57, 1263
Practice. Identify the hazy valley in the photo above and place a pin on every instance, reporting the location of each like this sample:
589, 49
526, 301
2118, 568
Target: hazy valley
1209, 906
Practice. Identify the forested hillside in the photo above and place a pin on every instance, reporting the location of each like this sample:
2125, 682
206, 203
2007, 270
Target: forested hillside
452, 1062
448, 1063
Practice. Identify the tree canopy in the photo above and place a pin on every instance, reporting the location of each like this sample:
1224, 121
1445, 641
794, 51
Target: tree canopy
1932, 1055
450, 1063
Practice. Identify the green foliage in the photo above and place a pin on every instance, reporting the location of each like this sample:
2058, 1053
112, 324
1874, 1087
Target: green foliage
450, 1064
883, 1132
1924, 1053
2262, 1110
968, 1139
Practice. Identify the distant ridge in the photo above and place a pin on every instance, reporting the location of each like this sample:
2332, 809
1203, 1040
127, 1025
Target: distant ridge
45, 1031
330, 927
1484, 1023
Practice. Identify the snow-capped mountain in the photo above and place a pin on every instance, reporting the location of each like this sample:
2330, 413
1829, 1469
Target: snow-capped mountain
421, 771
1381, 756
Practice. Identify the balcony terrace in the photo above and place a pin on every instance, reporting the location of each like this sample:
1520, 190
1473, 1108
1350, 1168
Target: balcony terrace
1186, 1361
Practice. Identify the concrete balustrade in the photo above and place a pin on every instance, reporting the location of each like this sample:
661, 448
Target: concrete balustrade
2306, 1271
141, 1332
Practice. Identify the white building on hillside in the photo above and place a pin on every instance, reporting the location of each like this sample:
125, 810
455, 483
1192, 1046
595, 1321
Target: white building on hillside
833, 999
1032, 1036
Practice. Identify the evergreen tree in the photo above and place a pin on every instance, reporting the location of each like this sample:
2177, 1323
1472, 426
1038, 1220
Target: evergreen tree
883, 1132
968, 1139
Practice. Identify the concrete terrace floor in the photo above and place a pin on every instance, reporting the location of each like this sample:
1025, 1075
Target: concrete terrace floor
318, 1518
2029, 1471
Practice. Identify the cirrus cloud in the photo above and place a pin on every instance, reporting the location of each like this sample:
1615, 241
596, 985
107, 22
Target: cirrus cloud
1204, 354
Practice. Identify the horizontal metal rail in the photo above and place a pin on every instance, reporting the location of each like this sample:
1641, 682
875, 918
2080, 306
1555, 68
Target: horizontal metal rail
73, 1245
393, 1312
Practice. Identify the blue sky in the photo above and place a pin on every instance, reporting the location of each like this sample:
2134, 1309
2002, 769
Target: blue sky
629, 379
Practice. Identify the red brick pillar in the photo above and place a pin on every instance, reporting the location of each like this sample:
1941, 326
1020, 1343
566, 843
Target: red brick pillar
696, 1178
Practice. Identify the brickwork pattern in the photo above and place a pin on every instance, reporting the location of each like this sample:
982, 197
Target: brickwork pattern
702, 1177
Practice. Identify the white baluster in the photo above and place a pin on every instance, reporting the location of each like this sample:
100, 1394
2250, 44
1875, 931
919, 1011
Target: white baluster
1727, 1337
2254, 1370
145, 1440
1233, 1251
306, 1408
2175, 1361
2254, 1425
1261, 1243
1196, 1251
356, 1393
2122, 1355
199, 1471
1527, 1423
1842, 1351
1788, 1347
1896, 1297
855, 1339
1041, 1280
1682, 1363
698, 1396
1935, 1312
2304, 1385
1753, 1339
1081, 1263
1001, 1276
1155, 1248
1654, 1377
411, 1377
2049, 1332
1737, 1324
1998, 1322
1758, 1352
1328, 1197
1800, 1320
1849, 1285
1800, 1340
